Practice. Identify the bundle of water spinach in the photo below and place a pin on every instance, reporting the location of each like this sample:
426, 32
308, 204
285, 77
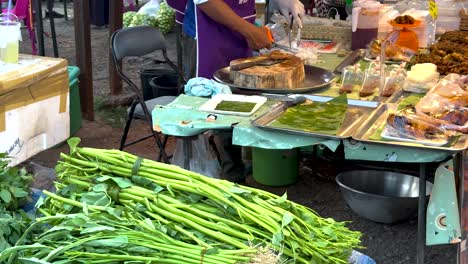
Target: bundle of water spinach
114, 207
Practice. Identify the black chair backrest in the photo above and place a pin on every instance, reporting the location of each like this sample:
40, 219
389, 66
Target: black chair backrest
137, 41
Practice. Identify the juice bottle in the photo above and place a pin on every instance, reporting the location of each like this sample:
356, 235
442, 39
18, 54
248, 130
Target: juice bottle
10, 31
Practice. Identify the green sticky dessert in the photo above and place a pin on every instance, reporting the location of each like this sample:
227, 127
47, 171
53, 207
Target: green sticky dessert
234, 106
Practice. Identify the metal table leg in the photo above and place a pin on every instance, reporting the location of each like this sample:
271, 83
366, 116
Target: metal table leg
50, 9
65, 11
187, 148
421, 244
39, 26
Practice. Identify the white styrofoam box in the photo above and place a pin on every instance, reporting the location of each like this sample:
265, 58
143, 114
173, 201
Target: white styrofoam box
34, 128
445, 24
448, 8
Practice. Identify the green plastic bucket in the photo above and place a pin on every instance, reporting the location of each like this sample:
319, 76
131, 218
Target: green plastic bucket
273, 167
75, 106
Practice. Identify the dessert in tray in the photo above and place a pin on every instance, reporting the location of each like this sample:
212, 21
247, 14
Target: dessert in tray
438, 116
275, 70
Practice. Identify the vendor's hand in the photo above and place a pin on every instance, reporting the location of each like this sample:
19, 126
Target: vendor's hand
257, 37
289, 8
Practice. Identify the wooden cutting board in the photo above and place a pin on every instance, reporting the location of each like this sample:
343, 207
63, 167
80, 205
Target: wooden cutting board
287, 74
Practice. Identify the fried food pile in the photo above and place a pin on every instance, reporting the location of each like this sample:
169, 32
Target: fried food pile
404, 20
450, 54
392, 51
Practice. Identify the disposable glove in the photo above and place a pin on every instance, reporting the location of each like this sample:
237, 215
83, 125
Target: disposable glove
289, 8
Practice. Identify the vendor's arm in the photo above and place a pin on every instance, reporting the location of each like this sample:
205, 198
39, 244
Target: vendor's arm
220, 12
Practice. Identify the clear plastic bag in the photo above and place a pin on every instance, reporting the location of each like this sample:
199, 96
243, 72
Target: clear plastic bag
352, 78
151, 8
200, 156
371, 80
394, 79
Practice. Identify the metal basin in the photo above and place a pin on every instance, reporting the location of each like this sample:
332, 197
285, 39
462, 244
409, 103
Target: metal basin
381, 196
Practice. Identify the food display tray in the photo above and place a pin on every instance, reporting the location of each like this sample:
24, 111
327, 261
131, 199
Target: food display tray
356, 112
315, 79
210, 105
379, 116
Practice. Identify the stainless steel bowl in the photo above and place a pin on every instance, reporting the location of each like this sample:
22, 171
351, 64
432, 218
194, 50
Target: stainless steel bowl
381, 196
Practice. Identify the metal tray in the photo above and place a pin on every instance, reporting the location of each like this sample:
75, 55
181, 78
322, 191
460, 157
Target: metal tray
356, 112
315, 78
375, 120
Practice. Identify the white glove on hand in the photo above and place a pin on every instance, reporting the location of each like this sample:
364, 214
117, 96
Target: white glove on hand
289, 8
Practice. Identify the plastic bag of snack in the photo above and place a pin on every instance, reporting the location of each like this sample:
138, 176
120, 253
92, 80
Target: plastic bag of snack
394, 79
371, 79
352, 78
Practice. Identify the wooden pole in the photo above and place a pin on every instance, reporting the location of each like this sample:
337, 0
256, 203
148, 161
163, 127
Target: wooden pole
83, 56
115, 21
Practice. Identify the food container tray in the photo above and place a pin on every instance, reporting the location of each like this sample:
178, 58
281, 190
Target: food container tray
356, 112
375, 121
210, 105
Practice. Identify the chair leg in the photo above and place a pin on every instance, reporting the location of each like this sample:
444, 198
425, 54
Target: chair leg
164, 143
50, 4
65, 11
128, 123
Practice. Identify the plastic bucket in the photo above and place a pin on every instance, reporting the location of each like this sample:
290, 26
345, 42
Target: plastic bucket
146, 76
75, 107
272, 167
165, 85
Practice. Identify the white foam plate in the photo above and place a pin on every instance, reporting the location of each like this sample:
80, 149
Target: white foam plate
210, 105
435, 143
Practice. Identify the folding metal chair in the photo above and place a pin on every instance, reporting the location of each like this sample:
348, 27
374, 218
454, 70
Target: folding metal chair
137, 42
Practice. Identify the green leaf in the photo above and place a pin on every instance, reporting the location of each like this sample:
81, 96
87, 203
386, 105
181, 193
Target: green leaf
140, 250
19, 192
96, 229
95, 198
5, 195
212, 251
287, 218
277, 239
238, 190
149, 223
121, 182
101, 187
73, 143
329, 231
119, 241
157, 188
320, 243
33, 261
39, 202
281, 199
194, 198
116, 212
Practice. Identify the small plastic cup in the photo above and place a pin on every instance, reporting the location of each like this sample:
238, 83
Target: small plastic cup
10, 30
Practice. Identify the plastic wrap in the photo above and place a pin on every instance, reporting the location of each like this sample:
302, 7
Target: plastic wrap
197, 148
371, 79
352, 78
151, 8
278, 29
406, 125
421, 78
394, 79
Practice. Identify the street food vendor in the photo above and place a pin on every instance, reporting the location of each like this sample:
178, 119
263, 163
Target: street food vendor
218, 31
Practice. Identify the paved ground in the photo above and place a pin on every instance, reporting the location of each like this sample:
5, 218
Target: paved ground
387, 244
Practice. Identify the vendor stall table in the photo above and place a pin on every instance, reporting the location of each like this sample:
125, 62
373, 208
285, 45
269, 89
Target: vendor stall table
34, 112
183, 119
